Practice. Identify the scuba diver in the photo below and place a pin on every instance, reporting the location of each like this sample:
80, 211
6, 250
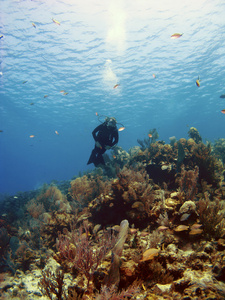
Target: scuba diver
106, 136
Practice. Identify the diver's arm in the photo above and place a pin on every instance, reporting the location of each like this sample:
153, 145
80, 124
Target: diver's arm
115, 137
95, 131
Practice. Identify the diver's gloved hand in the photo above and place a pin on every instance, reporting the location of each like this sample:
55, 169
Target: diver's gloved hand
107, 147
97, 144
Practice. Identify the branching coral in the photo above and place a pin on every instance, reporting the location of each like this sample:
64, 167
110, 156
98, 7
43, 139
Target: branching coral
212, 216
155, 239
163, 219
119, 157
84, 189
24, 257
130, 184
51, 284
194, 134
161, 153
152, 137
35, 209
153, 272
111, 293
162, 162
57, 222
50, 197
133, 187
219, 149
78, 248
209, 168
187, 182
132, 198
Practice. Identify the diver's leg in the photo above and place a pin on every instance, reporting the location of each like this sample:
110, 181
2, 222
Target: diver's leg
92, 157
99, 160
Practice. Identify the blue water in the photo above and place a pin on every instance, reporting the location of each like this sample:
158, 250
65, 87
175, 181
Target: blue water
99, 44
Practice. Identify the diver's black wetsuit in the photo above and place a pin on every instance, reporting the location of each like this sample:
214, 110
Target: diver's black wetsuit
106, 136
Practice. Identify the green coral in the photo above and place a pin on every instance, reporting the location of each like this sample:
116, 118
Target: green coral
152, 137
194, 134
211, 216
154, 134
219, 149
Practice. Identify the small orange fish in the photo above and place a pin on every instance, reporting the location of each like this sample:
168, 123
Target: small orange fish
196, 226
62, 91
196, 231
133, 230
150, 135
181, 228
31, 136
116, 86
55, 21
162, 228
153, 75
176, 35
114, 156
96, 114
144, 233
197, 83
33, 25
121, 128
56, 132
223, 111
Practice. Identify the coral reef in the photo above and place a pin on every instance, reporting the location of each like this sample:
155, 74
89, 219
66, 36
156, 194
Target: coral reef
52, 284
152, 137
187, 182
219, 149
195, 135
131, 198
79, 250
149, 225
84, 189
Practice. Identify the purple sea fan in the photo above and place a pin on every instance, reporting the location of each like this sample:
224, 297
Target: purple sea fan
188, 182
78, 248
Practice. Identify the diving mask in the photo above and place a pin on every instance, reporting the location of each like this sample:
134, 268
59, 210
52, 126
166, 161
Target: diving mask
111, 122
